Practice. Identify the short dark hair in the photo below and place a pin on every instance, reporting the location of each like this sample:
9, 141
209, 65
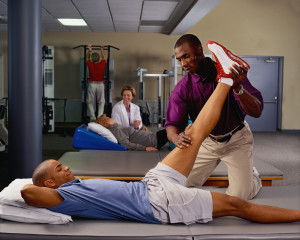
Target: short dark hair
190, 38
40, 173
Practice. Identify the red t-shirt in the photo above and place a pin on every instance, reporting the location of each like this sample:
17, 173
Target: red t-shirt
96, 70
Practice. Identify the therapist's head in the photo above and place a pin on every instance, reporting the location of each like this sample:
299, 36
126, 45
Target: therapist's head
189, 53
51, 173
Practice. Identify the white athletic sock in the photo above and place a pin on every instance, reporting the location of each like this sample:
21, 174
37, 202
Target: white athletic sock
227, 81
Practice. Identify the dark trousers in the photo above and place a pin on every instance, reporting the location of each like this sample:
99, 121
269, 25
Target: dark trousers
162, 138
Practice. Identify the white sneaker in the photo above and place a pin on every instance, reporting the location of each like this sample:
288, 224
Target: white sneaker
225, 59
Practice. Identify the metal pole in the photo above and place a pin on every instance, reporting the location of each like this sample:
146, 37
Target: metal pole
159, 102
24, 86
107, 86
84, 86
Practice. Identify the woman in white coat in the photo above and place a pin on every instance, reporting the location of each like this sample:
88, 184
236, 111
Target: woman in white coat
125, 112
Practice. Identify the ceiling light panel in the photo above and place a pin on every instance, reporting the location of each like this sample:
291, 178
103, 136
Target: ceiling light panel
96, 14
126, 14
61, 8
158, 10
72, 22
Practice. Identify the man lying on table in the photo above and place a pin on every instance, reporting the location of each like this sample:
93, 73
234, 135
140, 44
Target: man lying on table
161, 197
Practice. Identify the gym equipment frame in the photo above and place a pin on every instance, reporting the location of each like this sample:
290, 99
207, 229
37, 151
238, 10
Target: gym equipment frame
107, 80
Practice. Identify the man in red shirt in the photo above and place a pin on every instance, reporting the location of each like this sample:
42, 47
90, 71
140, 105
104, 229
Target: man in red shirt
96, 86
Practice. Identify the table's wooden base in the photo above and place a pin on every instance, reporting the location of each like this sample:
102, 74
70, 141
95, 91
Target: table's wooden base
223, 181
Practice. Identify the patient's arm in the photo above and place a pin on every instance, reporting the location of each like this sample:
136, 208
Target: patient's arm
40, 196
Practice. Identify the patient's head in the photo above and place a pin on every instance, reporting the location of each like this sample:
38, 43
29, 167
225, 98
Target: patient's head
105, 121
51, 173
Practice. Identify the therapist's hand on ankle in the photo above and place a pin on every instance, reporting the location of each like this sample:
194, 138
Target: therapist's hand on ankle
182, 140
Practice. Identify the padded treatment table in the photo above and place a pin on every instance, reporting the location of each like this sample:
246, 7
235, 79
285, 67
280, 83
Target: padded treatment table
133, 165
220, 228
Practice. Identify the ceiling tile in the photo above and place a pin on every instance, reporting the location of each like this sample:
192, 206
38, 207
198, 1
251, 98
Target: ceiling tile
162, 16
61, 8
158, 10
92, 7
125, 10
153, 29
96, 14
127, 26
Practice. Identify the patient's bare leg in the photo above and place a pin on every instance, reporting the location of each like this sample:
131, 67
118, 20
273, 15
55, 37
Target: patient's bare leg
182, 160
225, 205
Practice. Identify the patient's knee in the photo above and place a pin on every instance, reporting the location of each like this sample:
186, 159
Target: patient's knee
237, 204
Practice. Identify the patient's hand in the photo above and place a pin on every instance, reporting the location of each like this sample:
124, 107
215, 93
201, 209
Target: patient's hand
151, 149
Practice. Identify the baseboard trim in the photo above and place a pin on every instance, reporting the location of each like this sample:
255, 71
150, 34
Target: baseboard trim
290, 130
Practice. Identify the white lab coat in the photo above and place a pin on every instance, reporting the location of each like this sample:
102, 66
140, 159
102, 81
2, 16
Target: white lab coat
119, 114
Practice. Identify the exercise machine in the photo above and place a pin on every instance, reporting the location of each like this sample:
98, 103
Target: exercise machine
108, 79
161, 77
141, 73
48, 88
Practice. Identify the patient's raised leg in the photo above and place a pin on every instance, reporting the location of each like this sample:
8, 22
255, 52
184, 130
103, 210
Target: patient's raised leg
182, 159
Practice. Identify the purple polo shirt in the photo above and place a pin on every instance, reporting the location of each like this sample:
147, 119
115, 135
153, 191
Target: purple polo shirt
190, 95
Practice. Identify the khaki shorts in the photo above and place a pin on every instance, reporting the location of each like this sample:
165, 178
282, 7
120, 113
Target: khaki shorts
172, 202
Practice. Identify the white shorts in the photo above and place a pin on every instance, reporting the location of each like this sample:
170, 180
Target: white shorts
172, 202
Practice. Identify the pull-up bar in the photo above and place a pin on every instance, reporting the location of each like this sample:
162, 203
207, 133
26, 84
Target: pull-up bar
107, 83
96, 47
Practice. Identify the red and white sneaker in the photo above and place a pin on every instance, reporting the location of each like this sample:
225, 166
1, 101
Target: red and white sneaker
225, 59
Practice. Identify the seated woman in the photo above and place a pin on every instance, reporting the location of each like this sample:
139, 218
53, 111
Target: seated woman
126, 113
